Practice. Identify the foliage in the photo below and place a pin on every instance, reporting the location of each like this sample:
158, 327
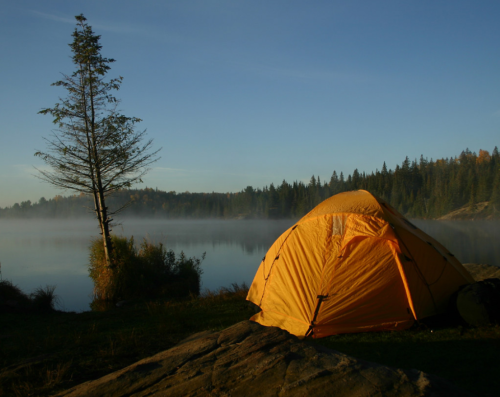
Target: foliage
12, 299
11, 292
96, 150
44, 299
420, 189
147, 272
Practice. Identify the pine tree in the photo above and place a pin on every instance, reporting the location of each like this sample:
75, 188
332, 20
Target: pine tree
334, 180
96, 150
495, 194
473, 198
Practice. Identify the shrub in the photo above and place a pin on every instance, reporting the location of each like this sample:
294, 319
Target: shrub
108, 282
147, 272
12, 299
11, 293
44, 299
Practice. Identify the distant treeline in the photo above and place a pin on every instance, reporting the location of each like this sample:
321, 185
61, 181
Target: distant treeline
419, 189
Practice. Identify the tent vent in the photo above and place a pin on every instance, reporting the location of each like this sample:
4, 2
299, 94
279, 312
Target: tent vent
450, 254
277, 257
263, 259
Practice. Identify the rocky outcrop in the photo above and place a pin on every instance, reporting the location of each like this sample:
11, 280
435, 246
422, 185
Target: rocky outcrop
480, 272
248, 359
479, 211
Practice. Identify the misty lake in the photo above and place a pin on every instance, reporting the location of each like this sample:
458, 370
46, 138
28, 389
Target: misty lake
35, 253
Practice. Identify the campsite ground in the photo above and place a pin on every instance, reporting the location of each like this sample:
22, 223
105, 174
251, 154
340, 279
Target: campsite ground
467, 357
41, 354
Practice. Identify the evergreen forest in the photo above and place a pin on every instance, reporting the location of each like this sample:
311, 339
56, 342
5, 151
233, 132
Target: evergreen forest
421, 188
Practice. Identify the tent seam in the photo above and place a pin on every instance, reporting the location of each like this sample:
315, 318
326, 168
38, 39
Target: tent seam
404, 279
272, 265
415, 265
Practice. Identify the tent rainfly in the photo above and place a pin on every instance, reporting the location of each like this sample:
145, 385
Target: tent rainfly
353, 264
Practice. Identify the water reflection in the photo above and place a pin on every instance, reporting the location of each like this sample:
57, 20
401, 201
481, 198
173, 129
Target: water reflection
35, 253
248, 235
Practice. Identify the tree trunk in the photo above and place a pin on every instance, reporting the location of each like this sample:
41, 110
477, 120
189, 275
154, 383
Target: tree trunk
105, 231
102, 217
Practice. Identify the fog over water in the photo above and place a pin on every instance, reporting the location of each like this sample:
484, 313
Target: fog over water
469, 241
39, 252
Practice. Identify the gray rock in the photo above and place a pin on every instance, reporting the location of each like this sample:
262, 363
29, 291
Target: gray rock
479, 303
481, 272
248, 359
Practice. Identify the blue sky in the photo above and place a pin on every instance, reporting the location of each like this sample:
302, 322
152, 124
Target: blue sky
245, 93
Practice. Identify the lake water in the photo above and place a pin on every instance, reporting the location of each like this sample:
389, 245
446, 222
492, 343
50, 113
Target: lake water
35, 253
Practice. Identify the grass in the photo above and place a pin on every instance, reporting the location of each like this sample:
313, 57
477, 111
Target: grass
44, 353
44, 299
465, 356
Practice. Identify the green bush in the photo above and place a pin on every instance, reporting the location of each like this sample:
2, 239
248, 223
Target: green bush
149, 271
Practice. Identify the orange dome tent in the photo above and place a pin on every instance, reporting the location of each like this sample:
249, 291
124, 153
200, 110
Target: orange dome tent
353, 264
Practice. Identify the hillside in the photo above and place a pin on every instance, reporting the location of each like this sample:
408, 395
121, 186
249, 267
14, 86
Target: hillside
481, 211
463, 187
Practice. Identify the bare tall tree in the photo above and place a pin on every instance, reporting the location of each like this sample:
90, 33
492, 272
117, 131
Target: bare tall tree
95, 150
